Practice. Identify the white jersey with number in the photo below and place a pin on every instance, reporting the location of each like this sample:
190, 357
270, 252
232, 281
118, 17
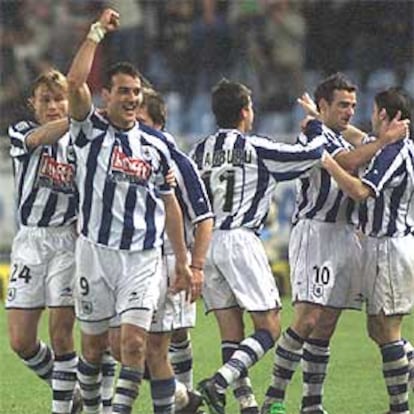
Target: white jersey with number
241, 172
120, 177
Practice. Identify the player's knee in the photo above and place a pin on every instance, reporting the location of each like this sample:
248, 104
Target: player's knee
304, 326
133, 347
93, 348
115, 346
275, 330
157, 349
156, 359
374, 331
23, 346
269, 322
180, 335
62, 344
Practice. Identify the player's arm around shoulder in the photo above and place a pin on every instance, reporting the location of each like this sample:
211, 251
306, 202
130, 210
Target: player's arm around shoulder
390, 133
47, 134
351, 185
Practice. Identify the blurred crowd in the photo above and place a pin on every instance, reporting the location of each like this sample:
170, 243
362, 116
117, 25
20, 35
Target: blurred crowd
279, 48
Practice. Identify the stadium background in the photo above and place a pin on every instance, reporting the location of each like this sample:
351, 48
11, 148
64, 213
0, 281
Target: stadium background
278, 48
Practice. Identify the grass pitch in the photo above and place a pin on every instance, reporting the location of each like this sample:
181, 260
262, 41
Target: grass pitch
354, 384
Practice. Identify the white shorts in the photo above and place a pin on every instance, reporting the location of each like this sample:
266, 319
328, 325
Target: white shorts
42, 268
389, 274
173, 310
325, 264
237, 273
114, 282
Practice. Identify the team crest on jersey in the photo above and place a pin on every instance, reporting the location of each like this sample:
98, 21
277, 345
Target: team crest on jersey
23, 126
133, 170
56, 175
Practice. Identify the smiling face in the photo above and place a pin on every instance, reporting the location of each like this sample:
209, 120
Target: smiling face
337, 114
49, 103
122, 100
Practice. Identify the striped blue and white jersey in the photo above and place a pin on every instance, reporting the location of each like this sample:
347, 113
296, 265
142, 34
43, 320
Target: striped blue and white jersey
241, 173
190, 192
390, 175
120, 177
45, 189
318, 196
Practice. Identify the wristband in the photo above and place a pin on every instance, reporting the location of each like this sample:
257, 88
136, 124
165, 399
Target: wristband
96, 32
196, 268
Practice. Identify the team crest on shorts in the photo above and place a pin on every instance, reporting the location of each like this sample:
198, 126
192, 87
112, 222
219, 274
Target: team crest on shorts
87, 307
318, 291
11, 294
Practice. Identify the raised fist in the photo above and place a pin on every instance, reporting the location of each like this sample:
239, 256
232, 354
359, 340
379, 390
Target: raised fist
109, 20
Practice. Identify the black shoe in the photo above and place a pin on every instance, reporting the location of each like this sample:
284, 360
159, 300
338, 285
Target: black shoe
194, 402
215, 400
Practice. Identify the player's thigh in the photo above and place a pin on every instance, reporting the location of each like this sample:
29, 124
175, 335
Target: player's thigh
97, 271
60, 279
173, 310
28, 271
138, 287
241, 258
325, 260
389, 275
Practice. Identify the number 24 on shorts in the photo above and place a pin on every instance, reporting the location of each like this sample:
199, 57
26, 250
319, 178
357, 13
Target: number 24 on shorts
20, 272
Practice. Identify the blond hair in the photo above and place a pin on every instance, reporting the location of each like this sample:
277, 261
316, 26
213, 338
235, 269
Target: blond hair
52, 79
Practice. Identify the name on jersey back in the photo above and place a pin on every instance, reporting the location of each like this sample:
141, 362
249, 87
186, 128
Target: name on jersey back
234, 156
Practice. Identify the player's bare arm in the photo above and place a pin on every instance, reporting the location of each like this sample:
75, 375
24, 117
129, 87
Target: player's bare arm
202, 238
47, 134
352, 160
396, 130
351, 185
80, 100
174, 227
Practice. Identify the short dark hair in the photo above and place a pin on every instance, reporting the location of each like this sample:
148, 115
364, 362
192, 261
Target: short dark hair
394, 100
228, 99
337, 81
120, 67
155, 105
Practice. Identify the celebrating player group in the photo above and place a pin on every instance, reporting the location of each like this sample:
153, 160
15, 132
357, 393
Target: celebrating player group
120, 229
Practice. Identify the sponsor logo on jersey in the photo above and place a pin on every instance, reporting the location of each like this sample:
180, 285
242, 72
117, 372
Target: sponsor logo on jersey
133, 170
56, 175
